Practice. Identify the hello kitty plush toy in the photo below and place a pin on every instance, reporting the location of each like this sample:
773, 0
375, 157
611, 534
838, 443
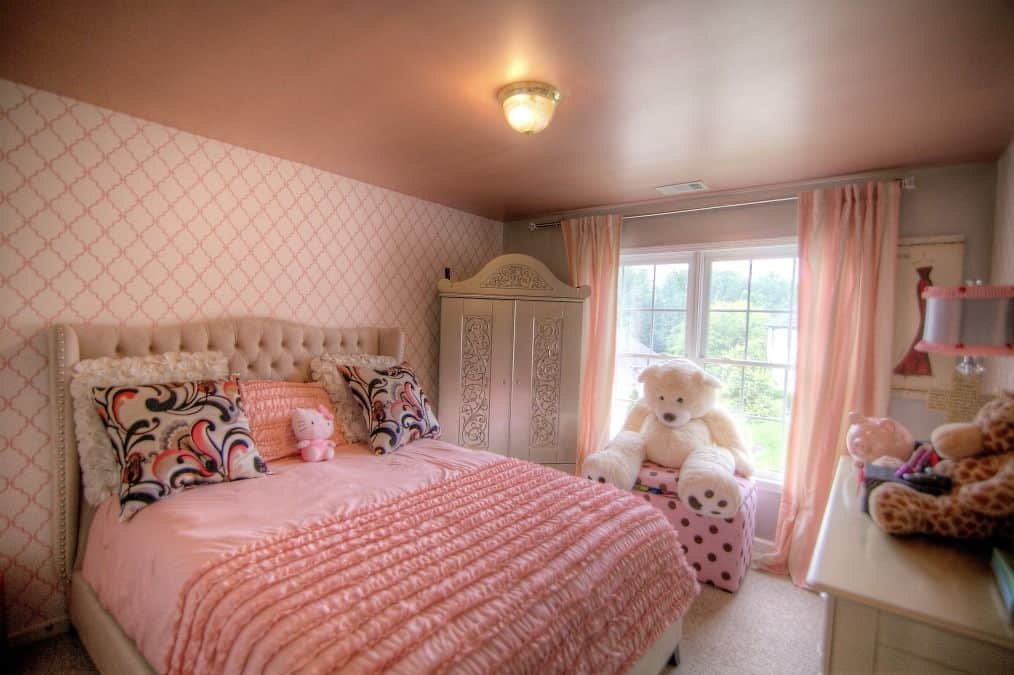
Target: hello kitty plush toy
313, 429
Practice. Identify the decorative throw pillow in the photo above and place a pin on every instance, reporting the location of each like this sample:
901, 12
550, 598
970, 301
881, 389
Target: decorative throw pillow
348, 413
269, 405
399, 411
168, 437
99, 473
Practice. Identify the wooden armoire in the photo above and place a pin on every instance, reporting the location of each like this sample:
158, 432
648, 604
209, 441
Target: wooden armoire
510, 361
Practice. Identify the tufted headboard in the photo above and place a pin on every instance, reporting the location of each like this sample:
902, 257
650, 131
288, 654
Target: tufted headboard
261, 348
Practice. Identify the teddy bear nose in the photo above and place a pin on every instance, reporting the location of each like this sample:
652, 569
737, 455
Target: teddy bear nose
668, 417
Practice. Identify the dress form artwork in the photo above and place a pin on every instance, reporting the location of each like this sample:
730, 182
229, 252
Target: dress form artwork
915, 362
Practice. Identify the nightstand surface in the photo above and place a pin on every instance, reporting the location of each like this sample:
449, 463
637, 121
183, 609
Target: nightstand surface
933, 582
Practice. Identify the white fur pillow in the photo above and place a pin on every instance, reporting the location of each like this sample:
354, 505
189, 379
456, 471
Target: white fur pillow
350, 413
100, 474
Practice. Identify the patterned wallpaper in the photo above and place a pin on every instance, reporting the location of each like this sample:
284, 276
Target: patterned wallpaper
108, 218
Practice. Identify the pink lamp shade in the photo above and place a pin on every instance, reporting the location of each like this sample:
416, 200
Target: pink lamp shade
969, 321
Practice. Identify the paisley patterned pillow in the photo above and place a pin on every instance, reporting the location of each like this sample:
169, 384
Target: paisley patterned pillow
398, 410
99, 473
168, 437
324, 369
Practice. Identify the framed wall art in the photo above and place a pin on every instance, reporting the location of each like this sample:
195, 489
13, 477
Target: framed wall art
922, 262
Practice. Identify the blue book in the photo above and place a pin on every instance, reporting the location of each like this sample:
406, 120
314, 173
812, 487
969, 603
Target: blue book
1002, 563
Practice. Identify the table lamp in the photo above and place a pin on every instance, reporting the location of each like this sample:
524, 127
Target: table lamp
969, 321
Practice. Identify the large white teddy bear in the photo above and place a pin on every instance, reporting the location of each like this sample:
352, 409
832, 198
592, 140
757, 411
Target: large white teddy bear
677, 424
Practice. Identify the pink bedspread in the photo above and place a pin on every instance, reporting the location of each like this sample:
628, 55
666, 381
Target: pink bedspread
433, 558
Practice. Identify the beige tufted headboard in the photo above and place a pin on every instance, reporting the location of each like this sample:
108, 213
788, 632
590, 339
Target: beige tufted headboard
261, 348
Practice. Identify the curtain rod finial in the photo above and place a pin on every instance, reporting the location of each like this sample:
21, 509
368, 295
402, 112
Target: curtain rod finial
908, 183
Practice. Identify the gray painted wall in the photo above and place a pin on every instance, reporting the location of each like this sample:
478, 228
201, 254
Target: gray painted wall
949, 200
1000, 371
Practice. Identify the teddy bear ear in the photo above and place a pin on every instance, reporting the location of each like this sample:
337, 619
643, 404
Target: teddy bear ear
701, 377
649, 373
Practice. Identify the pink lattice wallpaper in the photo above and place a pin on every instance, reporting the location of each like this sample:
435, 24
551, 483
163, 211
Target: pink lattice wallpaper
108, 218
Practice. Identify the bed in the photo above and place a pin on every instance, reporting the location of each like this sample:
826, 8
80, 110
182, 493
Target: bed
124, 634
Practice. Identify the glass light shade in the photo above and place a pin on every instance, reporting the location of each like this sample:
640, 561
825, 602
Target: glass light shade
529, 106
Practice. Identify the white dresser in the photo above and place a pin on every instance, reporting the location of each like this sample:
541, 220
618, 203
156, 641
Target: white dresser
510, 361
904, 605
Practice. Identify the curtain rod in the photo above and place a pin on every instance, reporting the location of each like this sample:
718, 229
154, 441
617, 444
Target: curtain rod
908, 183
555, 223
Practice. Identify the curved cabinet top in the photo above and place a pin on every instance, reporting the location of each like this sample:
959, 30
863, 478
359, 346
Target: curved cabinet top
514, 275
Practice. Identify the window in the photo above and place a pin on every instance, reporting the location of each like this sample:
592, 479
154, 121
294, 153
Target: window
732, 311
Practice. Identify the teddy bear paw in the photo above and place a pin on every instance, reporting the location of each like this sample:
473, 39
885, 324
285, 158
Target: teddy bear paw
717, 497
612, 468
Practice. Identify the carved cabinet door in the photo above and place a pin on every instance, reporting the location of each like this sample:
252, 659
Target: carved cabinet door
476, 350
547, 358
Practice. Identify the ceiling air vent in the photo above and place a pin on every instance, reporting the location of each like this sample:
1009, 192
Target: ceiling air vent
682, 188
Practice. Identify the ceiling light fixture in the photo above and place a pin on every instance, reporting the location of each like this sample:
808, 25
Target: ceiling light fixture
529, 106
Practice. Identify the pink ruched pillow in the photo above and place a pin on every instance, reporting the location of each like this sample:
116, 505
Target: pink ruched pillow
269, 404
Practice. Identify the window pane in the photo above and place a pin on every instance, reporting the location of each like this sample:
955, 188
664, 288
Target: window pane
769, 337
671, 286
634, 332
768, 440
794, 338
790, 389
749, 313
635, 286
626, 390
729, 279
669, 336
731, 377
625, 384
762, 391
771, 285
618, 415
726, 335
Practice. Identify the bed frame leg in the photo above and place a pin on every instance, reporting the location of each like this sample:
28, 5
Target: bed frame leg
674, 658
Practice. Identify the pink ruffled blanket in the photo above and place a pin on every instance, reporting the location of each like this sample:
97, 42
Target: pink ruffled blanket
509, 568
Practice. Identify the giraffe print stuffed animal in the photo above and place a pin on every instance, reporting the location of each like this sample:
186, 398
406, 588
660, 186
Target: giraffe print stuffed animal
979, 459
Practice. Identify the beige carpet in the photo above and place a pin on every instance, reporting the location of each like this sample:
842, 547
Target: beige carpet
58, 655
768, 626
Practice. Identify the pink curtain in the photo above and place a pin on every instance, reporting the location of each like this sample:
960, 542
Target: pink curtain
593, 256
848, 238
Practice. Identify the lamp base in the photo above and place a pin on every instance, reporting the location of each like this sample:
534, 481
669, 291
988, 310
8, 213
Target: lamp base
970, 365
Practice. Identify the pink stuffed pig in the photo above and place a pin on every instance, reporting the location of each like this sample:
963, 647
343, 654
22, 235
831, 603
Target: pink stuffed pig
870, 438
313, 429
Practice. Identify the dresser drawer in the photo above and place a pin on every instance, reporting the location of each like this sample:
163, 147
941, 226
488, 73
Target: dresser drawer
927, 643
890, 661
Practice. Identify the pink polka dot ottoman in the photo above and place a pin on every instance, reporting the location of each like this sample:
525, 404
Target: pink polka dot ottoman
719, 549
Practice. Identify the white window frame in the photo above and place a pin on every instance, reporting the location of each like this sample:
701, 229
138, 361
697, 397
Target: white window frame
699, 258
671, 258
